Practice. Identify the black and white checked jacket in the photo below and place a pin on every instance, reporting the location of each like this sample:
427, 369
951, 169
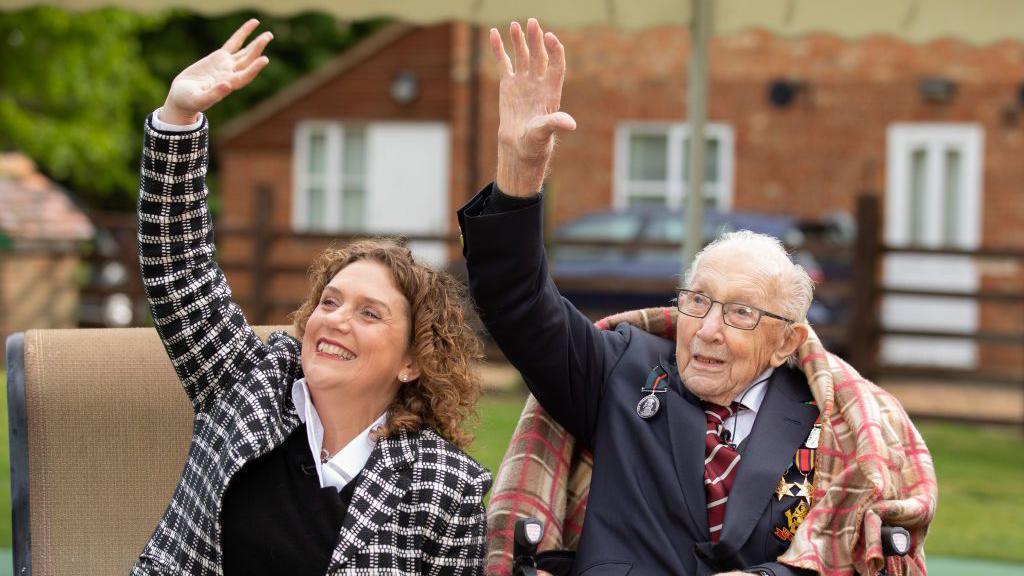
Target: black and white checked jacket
418, 507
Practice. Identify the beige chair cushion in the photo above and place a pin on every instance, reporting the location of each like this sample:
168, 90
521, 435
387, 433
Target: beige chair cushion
108, 431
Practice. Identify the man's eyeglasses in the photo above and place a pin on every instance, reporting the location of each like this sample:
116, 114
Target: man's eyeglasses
734, 314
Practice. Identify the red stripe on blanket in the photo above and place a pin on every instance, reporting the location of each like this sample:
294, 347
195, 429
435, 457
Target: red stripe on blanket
535, 437
558, 469
668, 324
581, 506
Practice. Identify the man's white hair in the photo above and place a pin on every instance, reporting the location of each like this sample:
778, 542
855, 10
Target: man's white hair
769, 261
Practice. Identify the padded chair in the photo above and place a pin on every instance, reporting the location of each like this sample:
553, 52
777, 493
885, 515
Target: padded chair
99, 430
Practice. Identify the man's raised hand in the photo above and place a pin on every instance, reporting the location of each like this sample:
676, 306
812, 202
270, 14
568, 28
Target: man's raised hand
221, 72
530, 94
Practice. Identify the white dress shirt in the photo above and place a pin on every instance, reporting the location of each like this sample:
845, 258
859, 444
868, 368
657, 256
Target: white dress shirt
165, 127
350, 460
739, 425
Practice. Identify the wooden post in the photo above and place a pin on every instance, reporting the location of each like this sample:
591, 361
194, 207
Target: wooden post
261, 252
863, 328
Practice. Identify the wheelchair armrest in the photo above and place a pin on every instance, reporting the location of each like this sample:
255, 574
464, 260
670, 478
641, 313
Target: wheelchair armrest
895, 541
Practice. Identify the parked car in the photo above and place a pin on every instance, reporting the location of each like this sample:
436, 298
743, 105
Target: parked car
619, 260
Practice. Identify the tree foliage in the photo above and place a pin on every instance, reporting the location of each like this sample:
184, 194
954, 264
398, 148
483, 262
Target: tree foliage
75, 86
70, 90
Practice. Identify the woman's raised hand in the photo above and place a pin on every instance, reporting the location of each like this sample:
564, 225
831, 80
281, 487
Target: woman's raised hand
221, 72
530, 94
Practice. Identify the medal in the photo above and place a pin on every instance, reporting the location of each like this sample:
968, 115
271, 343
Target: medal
782, 488
804, 489
804, 460
657, 383
648, 406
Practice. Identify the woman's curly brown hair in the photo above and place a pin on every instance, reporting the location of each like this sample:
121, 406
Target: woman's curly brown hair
445, 347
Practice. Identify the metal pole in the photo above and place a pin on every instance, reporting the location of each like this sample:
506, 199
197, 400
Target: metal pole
700, 31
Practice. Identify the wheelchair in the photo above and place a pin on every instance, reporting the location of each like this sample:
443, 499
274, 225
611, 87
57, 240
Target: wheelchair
545, 474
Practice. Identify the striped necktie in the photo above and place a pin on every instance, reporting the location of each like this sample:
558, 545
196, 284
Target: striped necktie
720, 463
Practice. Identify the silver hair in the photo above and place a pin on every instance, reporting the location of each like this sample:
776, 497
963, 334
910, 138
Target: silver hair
769, 261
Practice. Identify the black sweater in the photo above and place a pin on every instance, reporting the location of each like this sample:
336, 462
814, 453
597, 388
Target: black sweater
276, 519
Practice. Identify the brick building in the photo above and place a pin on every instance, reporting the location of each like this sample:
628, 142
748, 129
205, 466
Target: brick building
796, 126
41, 232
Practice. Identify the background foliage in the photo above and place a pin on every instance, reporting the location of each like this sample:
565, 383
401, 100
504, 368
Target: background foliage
74, 87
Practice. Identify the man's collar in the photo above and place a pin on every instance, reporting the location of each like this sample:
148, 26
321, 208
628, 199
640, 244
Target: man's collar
753, 395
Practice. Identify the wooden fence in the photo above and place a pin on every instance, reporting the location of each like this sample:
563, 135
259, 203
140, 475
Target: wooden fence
858, 333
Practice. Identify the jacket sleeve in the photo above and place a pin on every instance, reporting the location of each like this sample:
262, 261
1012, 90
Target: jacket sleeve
203, 330
461, 548
562, 356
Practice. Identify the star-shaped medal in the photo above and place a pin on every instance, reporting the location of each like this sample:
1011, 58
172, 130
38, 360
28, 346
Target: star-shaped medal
782, 488
804, 489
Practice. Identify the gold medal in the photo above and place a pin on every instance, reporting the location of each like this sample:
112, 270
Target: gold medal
782, 488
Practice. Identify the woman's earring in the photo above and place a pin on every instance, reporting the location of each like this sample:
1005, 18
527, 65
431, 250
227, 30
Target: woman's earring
403, 377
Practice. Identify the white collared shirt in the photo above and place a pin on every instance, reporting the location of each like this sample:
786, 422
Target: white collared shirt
350, 460
165, 127
740, 424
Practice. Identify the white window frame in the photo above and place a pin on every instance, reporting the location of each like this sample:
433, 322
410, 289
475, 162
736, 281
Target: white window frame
676, 187
903, 138
334, 176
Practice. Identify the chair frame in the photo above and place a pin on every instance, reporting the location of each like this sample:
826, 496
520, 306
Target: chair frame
17, 428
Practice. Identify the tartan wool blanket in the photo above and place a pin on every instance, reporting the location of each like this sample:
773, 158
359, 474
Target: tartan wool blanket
872, 469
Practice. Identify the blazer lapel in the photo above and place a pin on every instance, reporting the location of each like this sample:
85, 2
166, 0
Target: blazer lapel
782, 425
687, 426
379, 489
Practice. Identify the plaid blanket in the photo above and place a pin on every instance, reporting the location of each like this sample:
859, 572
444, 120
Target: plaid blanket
872, 469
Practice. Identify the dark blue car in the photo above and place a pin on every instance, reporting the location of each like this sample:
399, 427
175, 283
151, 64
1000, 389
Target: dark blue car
621, 260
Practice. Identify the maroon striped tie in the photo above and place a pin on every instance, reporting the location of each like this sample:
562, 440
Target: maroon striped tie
720, 463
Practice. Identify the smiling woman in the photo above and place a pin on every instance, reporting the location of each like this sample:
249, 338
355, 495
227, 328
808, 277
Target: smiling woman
372, 308
339, 454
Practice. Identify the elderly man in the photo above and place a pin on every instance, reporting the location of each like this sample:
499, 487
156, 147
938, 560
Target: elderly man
704, 448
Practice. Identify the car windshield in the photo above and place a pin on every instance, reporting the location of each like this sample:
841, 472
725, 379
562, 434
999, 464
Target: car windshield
615, 227
669, 227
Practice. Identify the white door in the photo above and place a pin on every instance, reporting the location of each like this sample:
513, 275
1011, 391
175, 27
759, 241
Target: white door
933, 199
408, 183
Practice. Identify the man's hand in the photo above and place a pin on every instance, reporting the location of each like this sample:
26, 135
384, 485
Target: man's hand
209, 80
530, 94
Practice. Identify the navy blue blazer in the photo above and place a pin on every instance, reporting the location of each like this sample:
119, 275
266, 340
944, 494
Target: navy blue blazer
647, 505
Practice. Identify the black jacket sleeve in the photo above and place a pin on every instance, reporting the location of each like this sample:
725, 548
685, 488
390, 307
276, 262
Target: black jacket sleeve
564, 359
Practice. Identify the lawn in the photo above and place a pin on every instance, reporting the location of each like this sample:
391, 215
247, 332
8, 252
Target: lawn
980, 470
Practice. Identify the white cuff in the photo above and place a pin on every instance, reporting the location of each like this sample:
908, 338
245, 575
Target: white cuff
165, 127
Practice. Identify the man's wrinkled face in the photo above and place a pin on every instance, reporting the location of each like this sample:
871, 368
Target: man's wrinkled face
717, 361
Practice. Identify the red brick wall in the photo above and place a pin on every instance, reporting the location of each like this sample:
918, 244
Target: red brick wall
262, 154
808, 159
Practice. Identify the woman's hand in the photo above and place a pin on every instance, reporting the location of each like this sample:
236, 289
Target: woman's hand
209, 80
530, 94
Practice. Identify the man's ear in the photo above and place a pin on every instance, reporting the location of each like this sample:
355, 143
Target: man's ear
792, 338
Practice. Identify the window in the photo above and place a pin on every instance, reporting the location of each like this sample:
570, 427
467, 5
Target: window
330, 177
652, 165
934, 184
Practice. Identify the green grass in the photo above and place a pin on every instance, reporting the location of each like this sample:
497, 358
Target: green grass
980, 471
981, 491
498, 416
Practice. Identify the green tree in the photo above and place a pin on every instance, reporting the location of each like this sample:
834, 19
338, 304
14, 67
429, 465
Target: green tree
71, 87
75, 86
